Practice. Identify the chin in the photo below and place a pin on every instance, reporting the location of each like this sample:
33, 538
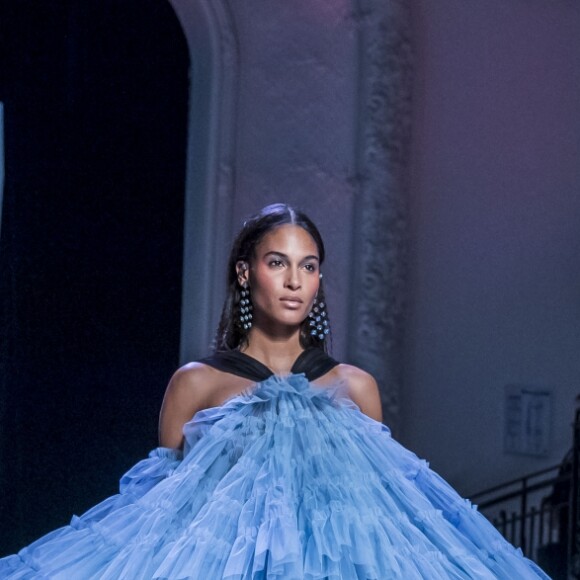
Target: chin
295, 321
290, 319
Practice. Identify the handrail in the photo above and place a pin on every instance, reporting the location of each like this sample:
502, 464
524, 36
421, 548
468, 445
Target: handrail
514, 481
547, 524
523, 490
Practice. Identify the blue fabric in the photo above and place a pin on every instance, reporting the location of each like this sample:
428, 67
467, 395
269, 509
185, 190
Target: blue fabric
285, 481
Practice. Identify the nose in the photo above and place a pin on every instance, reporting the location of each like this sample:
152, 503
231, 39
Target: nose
293, 279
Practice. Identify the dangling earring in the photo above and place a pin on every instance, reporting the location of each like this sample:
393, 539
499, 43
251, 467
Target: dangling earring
319, 326
245, 309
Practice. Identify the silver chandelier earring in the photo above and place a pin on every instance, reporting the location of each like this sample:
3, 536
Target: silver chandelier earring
245, 309
319, 326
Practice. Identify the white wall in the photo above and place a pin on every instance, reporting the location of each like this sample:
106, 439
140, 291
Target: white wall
495, 210
494, 294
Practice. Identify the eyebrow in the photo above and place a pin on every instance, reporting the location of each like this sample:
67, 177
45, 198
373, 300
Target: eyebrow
282, 255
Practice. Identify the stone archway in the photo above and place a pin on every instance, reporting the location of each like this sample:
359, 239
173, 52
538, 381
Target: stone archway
212, 41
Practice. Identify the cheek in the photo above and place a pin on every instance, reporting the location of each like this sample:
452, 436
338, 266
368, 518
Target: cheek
268, 292
263, 286
314, 284
313, 290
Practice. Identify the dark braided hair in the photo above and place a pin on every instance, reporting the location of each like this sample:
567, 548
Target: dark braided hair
230, 334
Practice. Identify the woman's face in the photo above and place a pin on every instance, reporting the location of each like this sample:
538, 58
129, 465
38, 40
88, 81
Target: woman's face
283, 276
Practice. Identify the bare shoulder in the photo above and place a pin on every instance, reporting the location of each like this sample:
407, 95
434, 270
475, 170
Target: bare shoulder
188, 391
362, 388
356, 375
190, 376
190, 383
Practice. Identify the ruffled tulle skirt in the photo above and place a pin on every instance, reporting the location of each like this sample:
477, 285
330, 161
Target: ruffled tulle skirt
286, 481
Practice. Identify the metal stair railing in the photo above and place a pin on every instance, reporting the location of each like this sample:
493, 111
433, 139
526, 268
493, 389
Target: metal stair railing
540, 512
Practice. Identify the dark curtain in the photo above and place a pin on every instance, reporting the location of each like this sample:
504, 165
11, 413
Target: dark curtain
95, 95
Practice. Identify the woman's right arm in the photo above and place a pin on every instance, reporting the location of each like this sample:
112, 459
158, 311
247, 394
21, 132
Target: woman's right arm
186, 394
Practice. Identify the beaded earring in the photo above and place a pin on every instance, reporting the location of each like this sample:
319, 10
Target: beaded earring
245, 309
319, 326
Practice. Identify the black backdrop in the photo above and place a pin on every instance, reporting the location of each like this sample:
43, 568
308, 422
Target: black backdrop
95, 105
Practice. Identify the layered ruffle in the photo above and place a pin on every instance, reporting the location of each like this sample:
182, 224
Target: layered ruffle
286, 481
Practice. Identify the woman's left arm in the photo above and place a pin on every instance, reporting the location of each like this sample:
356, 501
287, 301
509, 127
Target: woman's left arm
364, 391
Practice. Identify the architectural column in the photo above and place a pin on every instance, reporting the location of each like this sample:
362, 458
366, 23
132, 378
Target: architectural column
379, 255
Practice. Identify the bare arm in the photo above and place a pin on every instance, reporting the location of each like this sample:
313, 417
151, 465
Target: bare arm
185, 395
364, 391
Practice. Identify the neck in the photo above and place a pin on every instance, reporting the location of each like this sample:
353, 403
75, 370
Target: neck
278, 352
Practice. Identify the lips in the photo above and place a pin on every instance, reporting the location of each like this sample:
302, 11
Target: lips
291, 300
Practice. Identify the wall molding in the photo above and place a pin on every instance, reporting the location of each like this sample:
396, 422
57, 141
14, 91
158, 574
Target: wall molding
379, 258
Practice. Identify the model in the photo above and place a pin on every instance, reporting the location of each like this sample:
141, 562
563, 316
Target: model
273, 462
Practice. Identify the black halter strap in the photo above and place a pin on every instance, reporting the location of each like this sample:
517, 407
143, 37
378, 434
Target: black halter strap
313, 362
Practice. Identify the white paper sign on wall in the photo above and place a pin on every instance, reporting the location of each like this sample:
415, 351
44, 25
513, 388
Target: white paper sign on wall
527, 414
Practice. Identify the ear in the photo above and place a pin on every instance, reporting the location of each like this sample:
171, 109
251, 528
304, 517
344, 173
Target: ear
242, 270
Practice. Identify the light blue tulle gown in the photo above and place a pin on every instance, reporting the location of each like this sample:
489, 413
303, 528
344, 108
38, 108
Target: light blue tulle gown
285, 481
